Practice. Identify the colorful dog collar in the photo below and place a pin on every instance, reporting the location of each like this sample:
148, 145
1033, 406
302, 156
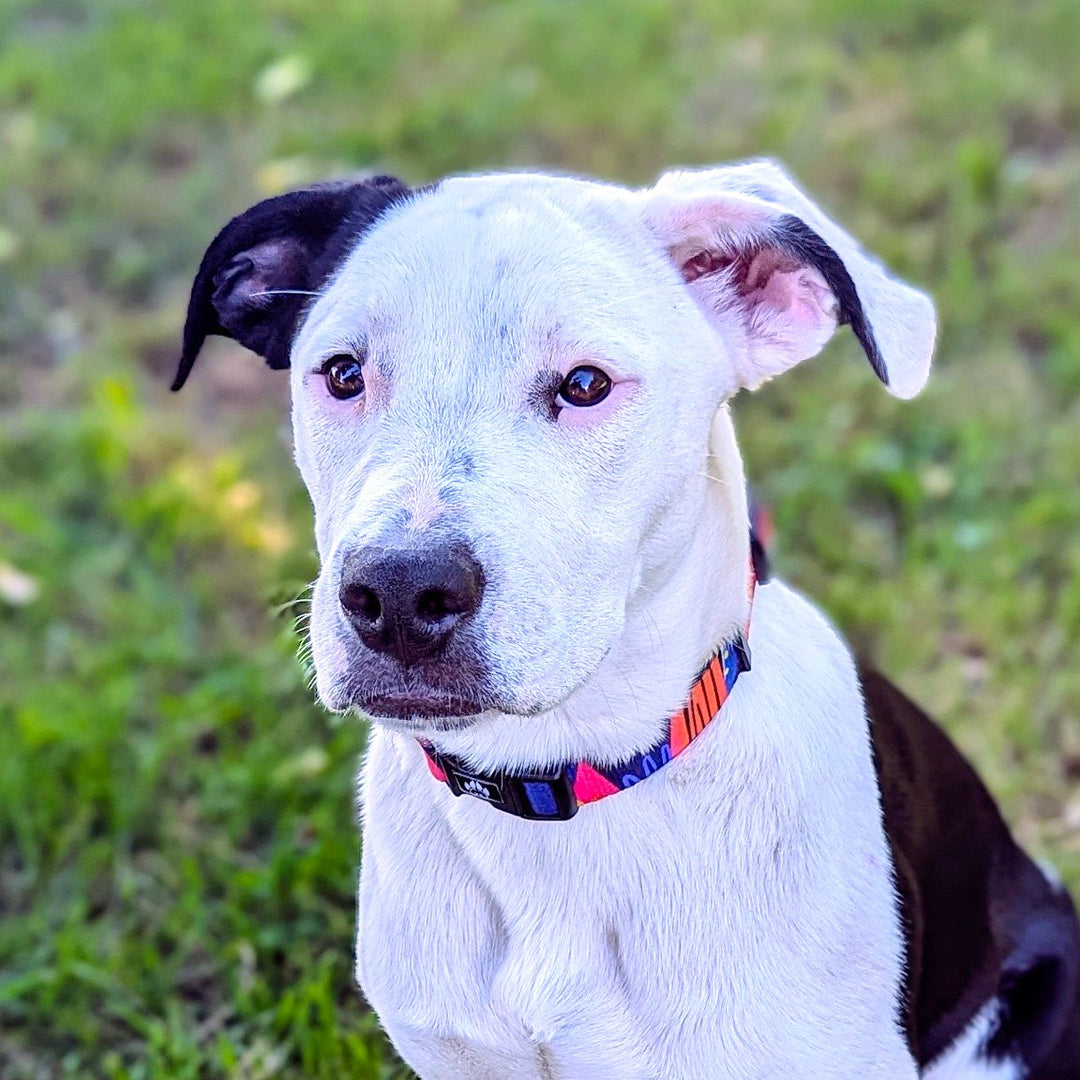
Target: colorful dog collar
556, 795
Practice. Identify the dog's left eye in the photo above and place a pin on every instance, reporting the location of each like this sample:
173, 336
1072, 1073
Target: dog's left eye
584, 386
344, 376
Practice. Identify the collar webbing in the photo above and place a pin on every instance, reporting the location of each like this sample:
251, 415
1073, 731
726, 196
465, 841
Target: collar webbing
555, 795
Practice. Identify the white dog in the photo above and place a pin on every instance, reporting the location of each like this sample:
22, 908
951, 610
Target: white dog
510, 405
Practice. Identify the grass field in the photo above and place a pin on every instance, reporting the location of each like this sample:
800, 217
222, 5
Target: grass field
177, 838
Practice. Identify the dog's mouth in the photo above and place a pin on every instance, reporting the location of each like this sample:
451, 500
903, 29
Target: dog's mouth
445, 695
449, 691
442, 696
413, 710
453, 691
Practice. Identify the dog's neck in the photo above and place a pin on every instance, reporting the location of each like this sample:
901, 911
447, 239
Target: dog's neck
684, 607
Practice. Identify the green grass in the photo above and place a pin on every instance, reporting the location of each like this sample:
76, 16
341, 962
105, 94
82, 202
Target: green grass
177, 837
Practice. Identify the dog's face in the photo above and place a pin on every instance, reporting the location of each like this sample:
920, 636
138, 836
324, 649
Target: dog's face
502, 395
525, 360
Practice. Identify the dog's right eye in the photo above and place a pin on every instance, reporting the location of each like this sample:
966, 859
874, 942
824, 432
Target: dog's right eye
344, 376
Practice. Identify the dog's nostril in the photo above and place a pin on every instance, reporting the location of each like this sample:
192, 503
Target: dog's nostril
433, 605
361, 601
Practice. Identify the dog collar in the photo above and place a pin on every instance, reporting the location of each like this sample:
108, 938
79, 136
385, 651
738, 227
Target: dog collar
555, 795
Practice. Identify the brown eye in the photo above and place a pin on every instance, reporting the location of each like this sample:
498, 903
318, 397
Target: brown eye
344, 376
586, 385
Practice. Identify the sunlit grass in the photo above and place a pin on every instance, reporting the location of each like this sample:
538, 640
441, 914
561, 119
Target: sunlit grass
177, 836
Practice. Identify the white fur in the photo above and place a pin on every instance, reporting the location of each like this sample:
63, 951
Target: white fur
966, 1059
734, 915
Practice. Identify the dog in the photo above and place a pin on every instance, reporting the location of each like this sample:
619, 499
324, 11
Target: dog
712, 847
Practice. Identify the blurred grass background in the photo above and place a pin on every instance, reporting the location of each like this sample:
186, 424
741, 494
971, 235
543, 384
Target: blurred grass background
177, 839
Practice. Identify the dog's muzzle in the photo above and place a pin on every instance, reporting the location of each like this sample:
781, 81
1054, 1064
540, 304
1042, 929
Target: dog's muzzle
409, 602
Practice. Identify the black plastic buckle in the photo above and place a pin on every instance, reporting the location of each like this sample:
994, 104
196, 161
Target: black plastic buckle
533, 796
742, 650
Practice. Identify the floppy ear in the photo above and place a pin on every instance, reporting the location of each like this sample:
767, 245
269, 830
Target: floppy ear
265, 265
767, 265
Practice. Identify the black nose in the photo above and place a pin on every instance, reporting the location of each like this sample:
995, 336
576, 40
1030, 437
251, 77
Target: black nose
409, 602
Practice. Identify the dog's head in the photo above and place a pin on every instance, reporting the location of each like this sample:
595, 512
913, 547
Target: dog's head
503, 389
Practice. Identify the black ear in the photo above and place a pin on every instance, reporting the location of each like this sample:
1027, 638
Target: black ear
264, 266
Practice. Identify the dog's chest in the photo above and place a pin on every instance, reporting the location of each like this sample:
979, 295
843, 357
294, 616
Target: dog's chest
733, 916
527, 972
550, 1003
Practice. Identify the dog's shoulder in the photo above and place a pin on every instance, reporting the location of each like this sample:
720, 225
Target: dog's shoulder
983, 924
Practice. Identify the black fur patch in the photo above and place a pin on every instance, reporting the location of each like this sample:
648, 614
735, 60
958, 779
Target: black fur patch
981, 921
1040, 977
797, 239
257, 276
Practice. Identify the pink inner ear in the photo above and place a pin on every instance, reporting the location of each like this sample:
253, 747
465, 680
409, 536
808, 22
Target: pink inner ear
796, 292
787, 288
705, 262
787, 307
764, 265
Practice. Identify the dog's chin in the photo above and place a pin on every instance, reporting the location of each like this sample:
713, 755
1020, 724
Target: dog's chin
418, 719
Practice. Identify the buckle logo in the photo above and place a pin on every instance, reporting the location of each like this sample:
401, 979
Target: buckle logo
472, 786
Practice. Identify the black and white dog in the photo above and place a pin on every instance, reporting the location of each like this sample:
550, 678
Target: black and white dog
725, 852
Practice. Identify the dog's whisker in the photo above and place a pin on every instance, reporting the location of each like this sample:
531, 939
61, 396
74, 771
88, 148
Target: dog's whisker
657, 636
285, 292
719, 480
